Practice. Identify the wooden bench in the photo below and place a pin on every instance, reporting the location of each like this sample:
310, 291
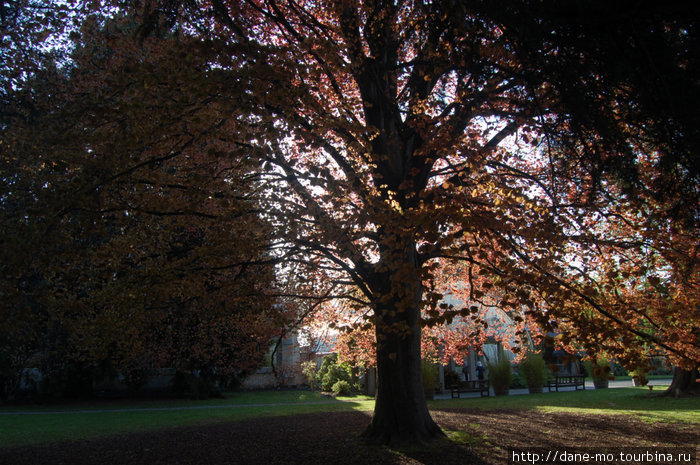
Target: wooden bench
477, 385
567, 381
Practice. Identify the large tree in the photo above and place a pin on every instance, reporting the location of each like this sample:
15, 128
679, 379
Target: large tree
405, 133
397, 136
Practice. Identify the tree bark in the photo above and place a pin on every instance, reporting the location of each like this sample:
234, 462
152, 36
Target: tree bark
401, 413
685, 383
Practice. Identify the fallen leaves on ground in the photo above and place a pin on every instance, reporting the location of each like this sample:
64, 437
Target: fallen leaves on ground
477, 437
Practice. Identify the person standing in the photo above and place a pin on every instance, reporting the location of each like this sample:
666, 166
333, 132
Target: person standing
480, 370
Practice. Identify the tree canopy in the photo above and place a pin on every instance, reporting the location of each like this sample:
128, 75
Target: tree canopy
393, 139
131, 240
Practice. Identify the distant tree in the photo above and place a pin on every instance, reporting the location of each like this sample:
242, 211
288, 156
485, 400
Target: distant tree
468, 316
133, 236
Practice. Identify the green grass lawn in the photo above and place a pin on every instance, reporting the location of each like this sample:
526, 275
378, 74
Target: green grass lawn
32, 424
232, 398
618, 401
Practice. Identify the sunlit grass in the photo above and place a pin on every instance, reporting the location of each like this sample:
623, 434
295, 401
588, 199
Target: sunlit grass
31, 425
251, 398
462, 437
618, 401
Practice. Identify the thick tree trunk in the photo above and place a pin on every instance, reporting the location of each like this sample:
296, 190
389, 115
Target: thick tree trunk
401, 413
685, 383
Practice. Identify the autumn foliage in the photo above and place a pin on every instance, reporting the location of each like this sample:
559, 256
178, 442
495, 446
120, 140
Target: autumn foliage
413, 164
132, 241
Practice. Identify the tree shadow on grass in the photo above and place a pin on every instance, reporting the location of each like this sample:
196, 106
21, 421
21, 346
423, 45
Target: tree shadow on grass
483, 437
457, 448
308, 439
505, 431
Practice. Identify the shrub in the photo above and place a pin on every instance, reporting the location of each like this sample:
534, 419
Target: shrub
332, 371
534, 370
599, 370
328, 361
430, 377
309, 370
342, 387
451, 378
639, 376
72, 380
618, 370
518, 382
500, 373
335, 373
200, 386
